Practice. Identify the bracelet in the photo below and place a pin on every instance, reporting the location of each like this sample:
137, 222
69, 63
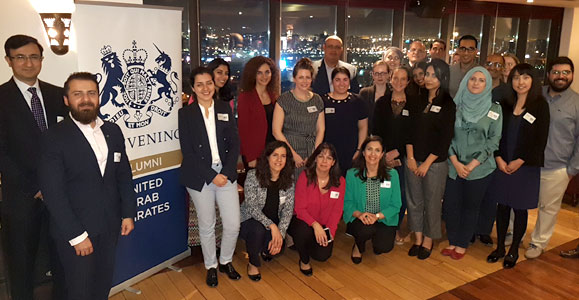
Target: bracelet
378, 216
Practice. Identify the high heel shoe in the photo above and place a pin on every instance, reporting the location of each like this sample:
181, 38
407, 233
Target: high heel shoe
255, 277
308, 272
355, 260
495, 256
266, 257
510, 261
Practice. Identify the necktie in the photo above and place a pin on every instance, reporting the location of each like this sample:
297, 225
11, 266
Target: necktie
37, 111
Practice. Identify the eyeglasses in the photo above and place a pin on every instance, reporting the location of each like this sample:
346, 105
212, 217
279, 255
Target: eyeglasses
379, 74
465, 49
23, 58
417, 50
493, 64
564, 72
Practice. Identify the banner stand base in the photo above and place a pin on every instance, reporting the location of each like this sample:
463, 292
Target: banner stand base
176, 269
126, 285
132, 290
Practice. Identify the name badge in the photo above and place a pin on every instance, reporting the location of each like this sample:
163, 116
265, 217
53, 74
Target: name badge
493, 115
386, 184
405, 113
117, 157
435, 108
223, 117
312, 109
282, 199
530, 118
59, 119
334, 194
330, 110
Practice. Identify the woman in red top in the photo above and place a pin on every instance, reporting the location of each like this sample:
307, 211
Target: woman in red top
319, 201
258, 92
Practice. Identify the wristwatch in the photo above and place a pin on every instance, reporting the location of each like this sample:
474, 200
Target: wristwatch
378, 216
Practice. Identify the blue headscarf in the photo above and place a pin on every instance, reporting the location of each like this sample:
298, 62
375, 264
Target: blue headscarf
470, 107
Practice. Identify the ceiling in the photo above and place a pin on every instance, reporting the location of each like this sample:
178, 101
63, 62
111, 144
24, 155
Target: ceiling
560, 3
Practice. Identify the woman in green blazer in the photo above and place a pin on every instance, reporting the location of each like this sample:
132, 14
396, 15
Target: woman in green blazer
372, 201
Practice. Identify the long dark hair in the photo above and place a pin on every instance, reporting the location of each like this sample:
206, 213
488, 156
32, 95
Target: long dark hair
198, 71
535, 94
442, 73
263, 173
335, 172
250, 73
360, 162
225, 92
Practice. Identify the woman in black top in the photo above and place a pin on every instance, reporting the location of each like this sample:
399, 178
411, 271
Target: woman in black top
391, 122
269, 204
432, 123
519, 158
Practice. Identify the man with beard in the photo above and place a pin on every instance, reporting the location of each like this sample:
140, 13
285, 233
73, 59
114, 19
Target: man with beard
561, 153
86, 181
322, 80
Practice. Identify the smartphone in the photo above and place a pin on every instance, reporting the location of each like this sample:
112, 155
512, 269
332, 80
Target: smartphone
328, 235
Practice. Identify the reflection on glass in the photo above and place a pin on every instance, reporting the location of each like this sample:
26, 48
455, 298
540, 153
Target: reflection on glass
304, 29
369, 34
503, 35
417, 28
538, 43
235, 31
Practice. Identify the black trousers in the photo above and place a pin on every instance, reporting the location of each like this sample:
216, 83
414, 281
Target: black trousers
28, 249
461, 208
256, 238
89, 277
487, 213
382, 235
305, 242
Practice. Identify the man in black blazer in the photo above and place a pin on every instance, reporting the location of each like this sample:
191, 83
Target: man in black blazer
87, 184
27, 107
333, 49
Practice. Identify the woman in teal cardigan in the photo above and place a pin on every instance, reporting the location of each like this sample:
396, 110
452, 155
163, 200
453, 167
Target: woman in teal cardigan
372, 201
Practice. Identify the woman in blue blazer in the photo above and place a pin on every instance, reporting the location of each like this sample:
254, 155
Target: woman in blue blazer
210, 147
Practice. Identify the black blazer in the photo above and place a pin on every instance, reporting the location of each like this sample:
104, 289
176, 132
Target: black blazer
20, 136
394, 130
532, 138
321, 85
368, 94
432, 131
196, 166
77, 196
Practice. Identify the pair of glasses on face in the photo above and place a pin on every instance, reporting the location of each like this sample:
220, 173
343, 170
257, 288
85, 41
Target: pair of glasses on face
465, 49
494, 64
564, 72
23, 58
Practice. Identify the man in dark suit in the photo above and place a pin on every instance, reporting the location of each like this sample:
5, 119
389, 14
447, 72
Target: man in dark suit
28, 106
87, 185
333, 49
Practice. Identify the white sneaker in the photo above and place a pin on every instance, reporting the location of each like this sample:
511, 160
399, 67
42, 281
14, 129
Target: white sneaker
533, 251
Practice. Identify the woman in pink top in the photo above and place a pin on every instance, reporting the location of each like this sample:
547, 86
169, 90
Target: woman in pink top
319, 201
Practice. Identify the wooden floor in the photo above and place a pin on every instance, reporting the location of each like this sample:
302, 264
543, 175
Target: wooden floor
389, 276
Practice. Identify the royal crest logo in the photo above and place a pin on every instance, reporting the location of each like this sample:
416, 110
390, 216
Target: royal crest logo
137, 84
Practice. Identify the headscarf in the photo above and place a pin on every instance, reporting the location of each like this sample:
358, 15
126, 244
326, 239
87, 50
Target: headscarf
470, 107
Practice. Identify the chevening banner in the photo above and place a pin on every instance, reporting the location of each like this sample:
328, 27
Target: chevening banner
135, 51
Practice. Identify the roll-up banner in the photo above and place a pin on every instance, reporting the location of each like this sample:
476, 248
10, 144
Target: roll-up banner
135, 50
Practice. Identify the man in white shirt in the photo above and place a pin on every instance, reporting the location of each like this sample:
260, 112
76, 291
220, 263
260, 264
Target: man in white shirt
87, 185
333, 50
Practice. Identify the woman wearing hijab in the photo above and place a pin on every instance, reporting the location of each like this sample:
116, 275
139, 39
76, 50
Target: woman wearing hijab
477, 132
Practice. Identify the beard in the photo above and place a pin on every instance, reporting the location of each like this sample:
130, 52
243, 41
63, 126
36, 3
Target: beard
85, 113
555, 86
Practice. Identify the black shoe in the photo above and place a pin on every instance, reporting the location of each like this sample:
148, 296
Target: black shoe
424, 253
495, 256
355, 260
510, 261
229, 270
413, 250
255, 277
486, 239
266, 257
308, 272
570, 253
211, 277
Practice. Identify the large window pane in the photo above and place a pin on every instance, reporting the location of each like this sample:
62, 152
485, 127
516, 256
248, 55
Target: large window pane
538, 43
304, 29
369, 34
235, 31
417, 28
503, 35
467, 24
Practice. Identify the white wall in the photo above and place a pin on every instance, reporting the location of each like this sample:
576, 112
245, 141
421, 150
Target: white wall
20, 17
569, 36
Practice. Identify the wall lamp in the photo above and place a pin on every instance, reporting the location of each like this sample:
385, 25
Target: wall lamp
57, 26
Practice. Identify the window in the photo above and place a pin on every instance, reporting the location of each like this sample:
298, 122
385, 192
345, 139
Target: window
304, 29
369, 34
503, 35
467, 24
537, 44
418, 28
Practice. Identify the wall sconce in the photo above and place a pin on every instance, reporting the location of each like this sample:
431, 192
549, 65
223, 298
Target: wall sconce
57, 26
